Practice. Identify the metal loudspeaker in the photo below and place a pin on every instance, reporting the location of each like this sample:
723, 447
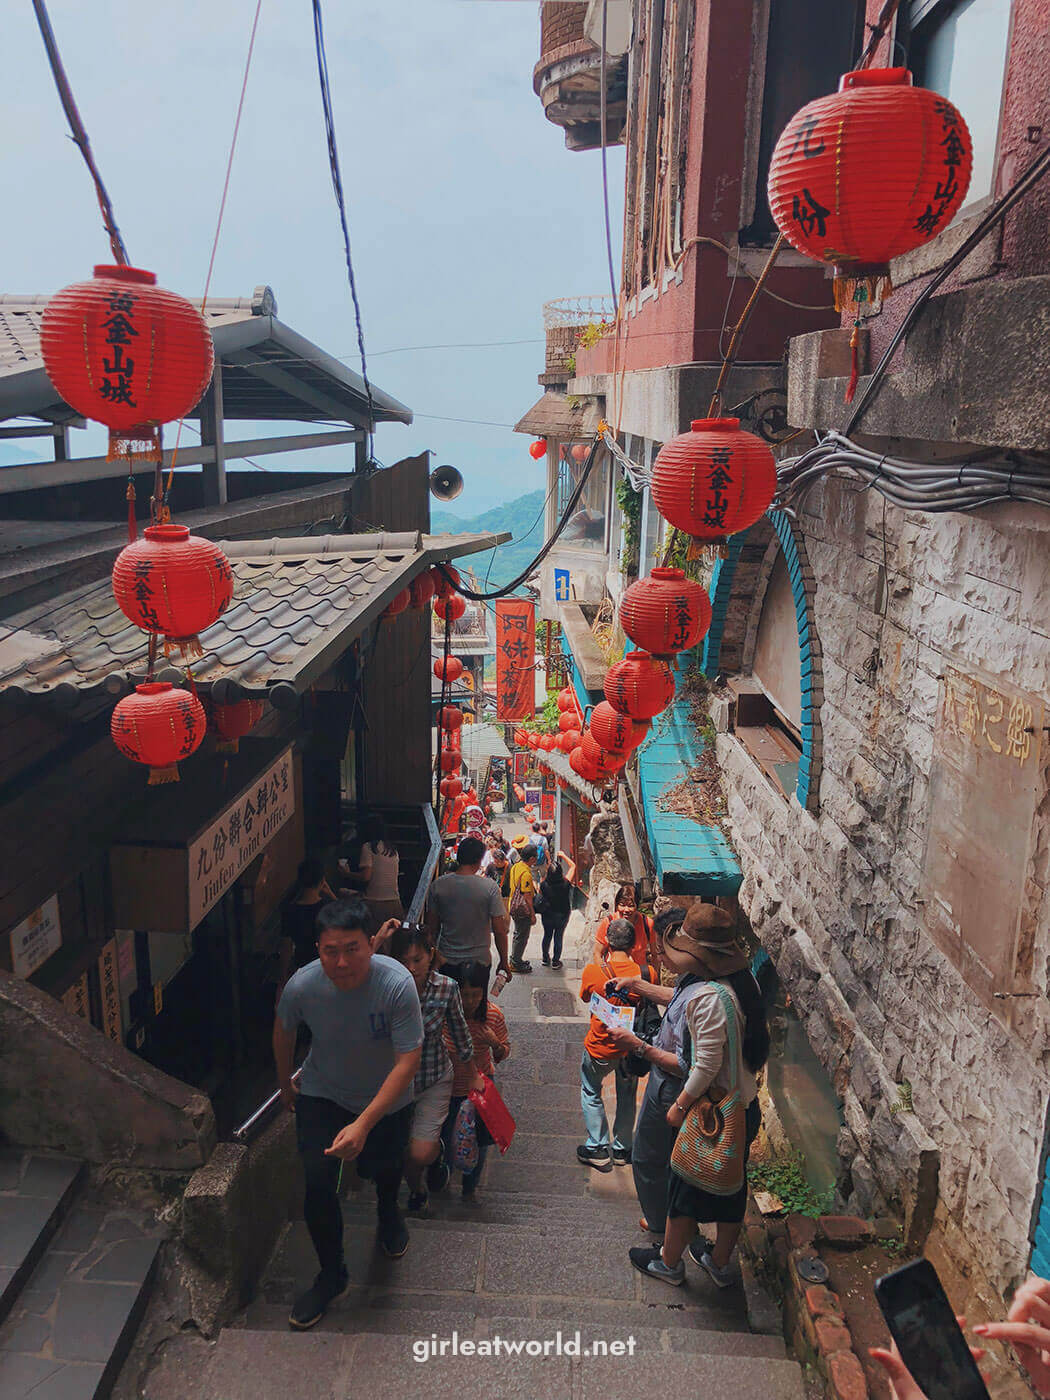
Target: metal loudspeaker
446, 483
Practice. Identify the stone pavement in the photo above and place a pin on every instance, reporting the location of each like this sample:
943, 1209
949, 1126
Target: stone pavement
542, 1252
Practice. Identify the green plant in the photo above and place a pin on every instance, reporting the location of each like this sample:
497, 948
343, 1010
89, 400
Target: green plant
785, 1178
593, 332
546, 722
893, 1245
630, 502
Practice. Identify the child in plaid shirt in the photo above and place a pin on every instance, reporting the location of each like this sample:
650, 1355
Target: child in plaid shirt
444, 1025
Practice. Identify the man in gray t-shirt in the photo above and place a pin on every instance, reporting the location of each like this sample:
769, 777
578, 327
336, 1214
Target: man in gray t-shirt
466, 912
354, 1098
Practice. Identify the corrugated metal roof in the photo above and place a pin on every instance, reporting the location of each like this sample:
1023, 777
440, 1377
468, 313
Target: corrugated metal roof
297, 604
269, 371
555, 415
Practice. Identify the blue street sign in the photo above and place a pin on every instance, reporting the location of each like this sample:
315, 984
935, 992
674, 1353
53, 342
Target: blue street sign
561, 585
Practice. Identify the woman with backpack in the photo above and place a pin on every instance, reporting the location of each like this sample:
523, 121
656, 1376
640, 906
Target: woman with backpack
554, 905
715, 1023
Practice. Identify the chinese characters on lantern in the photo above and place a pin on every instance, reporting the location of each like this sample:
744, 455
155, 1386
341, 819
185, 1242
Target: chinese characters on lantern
515, 659
947, 190
118, 366
719, 478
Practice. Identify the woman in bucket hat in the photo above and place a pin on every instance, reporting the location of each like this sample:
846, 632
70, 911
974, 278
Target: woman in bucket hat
700, 946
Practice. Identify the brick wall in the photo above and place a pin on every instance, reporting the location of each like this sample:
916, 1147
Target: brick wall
561, 346
561, 22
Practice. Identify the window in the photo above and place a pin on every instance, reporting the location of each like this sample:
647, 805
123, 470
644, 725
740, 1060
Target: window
811, 44
958, 48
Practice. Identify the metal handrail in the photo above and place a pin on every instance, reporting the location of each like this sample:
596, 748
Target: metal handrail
262, 1115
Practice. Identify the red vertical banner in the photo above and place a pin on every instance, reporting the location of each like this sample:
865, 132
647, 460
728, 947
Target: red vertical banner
515, 658
546, 806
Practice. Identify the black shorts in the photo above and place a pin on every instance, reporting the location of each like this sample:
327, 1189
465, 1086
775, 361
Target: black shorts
317, 1121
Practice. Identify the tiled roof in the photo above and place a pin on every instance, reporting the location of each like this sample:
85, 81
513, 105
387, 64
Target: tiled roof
296, 606
560, 417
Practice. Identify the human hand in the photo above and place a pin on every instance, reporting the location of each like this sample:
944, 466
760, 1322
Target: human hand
622, 1038
289, 1094
623, 984
902, 1383
477, 1084
386, 932
348, 1141
675, 1116
1027, 1329
504, 967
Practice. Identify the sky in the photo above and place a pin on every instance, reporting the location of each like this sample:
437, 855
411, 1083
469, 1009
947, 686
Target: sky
466, 210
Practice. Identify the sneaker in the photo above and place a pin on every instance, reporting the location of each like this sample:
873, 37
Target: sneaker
520, 967
596, 1157
417, 1202
557, 964
650, 1261
438, 1172
621, 1156
393, 1237
725, 1278
699, 1247
312, 1305
546, 960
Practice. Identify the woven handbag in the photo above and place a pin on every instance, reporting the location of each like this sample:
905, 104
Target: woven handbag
709, 1150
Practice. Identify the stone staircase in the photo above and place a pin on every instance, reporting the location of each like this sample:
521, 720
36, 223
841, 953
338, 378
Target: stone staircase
543, 1251
75, 1275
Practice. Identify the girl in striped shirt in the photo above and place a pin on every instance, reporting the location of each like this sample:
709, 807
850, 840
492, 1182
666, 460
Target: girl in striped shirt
488, 1031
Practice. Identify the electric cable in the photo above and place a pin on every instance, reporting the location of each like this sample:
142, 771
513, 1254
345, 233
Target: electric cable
337, 186
605, 156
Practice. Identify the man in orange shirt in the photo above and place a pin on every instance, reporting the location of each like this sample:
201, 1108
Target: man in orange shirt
601, 1058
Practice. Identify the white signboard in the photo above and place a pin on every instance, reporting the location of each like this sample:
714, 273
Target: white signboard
612, 1016
36, 938
234, 839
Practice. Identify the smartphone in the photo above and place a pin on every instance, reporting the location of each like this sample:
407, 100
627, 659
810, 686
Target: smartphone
922, 1323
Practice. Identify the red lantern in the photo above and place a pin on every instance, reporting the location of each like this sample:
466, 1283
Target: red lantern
454, 739
451, 787
715, 480
548, 742
639, 685
173, 583
444, 586
616, 732
665, 613
566, 699
451, 607
582, 766
569, 740
599, 758
581, 451
421, 590
232, 722
567, 720
127, 353
448, 668
159, 725
398, 603
451, 761
538, 449
449, 718
867, 173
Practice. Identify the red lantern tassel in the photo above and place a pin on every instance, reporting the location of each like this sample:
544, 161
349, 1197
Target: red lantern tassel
133, 528
854, 363
138, 444
169, 774
183, 646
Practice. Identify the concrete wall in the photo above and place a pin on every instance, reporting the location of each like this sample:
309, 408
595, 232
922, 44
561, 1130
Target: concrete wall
66, 1087
840, 897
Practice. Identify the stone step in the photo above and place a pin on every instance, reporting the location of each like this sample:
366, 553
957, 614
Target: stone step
270, 1365
73, 1322
35, 1195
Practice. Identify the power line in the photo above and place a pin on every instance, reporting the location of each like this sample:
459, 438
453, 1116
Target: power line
337, 186
605, 157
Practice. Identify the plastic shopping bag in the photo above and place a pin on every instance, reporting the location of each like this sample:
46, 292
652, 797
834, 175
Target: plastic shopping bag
494, 1113
465, 1138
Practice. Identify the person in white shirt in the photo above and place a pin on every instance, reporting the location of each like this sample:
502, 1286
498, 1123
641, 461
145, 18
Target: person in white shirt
377, 872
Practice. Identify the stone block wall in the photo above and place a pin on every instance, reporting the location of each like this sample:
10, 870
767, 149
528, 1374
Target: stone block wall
838, 896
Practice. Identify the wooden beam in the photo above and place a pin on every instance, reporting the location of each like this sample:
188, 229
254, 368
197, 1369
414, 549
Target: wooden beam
212, 435
46, 474
289, 384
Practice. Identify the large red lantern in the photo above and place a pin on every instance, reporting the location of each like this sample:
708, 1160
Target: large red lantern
173, 583
569, 739
158, 725
867, 173
398, 603
639, 686
451, 607
127, 353
421, 590
443, 585
566, 699
451, 787
714, 480
538, 449
582, 766
448, 717
600, 758
448, 668
665, 613
451, 761
232, 722
616, 732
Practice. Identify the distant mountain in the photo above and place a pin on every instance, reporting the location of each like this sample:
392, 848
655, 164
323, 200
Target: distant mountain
523, 518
